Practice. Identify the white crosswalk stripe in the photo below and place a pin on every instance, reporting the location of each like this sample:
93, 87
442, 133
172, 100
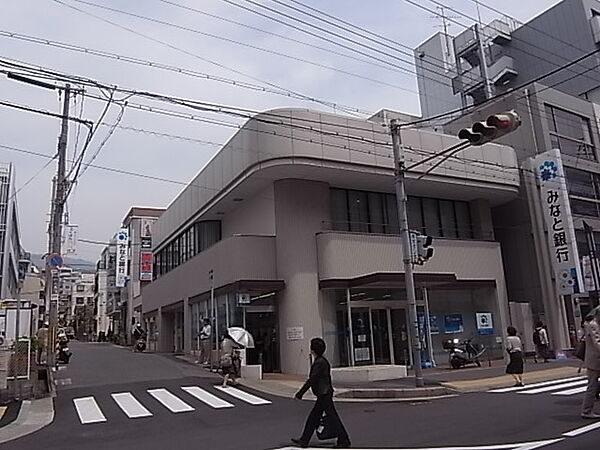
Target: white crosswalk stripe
130, 405
207, 397
244, 396
563, 387
170, 401
89, 411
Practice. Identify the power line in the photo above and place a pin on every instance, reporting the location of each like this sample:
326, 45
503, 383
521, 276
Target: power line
195, 55
43, 112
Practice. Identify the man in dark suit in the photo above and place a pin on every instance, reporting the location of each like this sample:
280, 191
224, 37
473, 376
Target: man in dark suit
319, 381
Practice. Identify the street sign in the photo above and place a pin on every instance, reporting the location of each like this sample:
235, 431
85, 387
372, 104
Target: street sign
243, 299
54, 260
414, 245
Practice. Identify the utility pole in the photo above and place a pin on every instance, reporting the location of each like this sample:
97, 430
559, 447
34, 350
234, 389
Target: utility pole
402, 202
55, 229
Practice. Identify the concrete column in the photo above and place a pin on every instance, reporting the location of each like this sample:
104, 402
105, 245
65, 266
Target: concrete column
300, 208
166, 331
481, 218
187, 326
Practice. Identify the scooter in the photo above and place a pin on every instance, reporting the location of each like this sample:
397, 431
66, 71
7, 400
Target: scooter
463, 353
64, 354
140, 345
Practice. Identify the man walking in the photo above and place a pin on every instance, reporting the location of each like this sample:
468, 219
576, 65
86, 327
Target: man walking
541, 341
319, 381
591, 363
205, 344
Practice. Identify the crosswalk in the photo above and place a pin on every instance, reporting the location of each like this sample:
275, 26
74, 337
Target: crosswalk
561, 387
89, 411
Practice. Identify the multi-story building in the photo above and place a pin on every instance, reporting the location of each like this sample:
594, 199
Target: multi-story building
293, 233
559, 112
82, 306
139, 222
484, 61
108, 314
100, 302
33, 290
10, 240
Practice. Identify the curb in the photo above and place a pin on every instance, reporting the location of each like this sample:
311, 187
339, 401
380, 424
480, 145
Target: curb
33, 416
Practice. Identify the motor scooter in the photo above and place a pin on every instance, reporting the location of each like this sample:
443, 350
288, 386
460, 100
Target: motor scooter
64, 354
463, 353
140, 345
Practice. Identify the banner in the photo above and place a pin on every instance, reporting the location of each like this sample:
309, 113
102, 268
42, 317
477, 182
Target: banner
71, 232
559, 223
146, 266
122, 257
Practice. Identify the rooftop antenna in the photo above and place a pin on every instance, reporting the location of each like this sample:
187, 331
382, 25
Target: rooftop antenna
445, 25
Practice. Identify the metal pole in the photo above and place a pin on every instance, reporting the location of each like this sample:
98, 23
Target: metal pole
18, 320
213, 318
402, 201
350, 333
428, 326
58, 204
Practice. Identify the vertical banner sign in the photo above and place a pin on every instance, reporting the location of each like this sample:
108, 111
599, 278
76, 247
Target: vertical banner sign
71, 238
559, 223
146, 233
146, 266
122, 244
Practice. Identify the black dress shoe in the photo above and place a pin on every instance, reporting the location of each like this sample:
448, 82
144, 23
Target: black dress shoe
299, 443
346, 444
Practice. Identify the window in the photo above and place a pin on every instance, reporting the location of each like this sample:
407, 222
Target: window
80, 288
570, 133
79, 300
372, 212
584, 192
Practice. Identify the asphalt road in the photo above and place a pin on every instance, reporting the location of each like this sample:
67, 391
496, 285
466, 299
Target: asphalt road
150, 386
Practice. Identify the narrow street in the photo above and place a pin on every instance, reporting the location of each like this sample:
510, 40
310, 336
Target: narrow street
111, 398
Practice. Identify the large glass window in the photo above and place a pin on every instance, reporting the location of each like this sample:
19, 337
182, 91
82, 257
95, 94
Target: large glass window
570, 133
584, 192
373, 212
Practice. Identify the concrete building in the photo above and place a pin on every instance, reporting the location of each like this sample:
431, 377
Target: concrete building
108, 317
100, 302
292, 227
82, 306
484, 61
10, 240
139, 222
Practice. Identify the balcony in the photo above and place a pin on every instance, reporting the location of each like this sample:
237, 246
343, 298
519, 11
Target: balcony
347, 256
498, 31
467, 81
465, 41
502, 71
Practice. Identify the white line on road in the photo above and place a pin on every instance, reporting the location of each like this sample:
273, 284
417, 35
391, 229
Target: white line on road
88, 410
582, 430
174, 404
207, 397
244, 396
556, 387
545, 383
130, 405
574, 391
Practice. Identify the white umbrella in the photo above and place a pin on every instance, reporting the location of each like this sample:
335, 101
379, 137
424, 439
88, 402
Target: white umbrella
241, 336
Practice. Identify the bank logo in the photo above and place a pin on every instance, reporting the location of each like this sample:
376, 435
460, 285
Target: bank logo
548, 170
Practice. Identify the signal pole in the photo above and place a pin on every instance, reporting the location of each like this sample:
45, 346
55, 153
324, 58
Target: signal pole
55, 228
402, 202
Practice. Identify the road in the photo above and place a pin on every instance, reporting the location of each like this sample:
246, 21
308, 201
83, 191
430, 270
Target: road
111, 398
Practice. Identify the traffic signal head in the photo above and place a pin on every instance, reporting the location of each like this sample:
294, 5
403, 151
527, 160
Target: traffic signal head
496, 125
424, 248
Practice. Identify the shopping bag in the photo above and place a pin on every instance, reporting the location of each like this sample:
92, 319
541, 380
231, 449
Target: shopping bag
327, 428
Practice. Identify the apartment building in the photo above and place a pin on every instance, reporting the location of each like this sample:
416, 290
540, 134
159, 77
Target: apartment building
291, 231
10, 239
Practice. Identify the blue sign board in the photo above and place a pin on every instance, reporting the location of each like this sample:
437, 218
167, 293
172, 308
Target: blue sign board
453, 323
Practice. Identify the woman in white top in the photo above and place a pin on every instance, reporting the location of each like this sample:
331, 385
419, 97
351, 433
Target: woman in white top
515, 351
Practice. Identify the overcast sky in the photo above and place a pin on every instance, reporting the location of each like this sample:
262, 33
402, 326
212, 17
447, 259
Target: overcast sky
101, 199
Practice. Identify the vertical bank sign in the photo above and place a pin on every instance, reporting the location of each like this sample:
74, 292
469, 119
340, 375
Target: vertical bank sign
122, 244
146, 266
559, 223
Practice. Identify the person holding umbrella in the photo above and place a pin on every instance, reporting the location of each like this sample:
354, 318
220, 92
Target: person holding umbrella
234, 339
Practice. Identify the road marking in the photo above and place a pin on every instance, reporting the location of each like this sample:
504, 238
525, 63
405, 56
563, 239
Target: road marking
207, 397
517, 446
88, 410
244, 396
3, 409
577, 390
554, 388
578, 431
174, 404
545, 383
130, 405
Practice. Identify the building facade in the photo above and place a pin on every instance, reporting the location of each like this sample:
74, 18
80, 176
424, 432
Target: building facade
294, 234
10, 240
484, 61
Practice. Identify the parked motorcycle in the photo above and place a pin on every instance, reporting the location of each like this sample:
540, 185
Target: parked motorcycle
140, 345
463, 353
63, 352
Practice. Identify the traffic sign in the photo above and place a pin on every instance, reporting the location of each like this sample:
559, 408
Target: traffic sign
54, 260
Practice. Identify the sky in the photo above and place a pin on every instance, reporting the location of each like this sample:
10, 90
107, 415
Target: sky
187, 39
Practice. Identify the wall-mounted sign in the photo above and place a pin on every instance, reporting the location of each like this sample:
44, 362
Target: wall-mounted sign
146, 243
71, 236
484, 323
146, 266
122, 257
559, 223
147, 227
243, 299
294, 333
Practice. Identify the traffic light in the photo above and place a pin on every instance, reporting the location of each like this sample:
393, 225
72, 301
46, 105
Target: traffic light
495, 126
424, 248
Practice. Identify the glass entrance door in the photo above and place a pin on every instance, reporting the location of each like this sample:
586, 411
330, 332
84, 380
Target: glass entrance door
381, 336
400, 337
361, 331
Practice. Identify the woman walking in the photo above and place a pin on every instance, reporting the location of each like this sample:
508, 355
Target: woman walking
319, 381
230, 360
514, 347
